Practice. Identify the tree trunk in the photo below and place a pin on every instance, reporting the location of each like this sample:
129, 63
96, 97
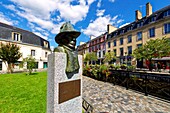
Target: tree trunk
9, 68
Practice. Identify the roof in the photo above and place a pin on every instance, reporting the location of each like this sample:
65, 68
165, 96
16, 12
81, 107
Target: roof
158, 15
27, 36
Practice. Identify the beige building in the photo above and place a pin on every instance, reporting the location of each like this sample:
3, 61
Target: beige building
124, 40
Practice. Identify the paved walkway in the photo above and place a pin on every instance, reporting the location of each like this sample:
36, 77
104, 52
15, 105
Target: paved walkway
106, 98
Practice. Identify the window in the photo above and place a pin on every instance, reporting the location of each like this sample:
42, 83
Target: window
99, 40
103, 46
166, 13
115, 52
0, 65
114, 43
114, 34
139, 36
108, 50
139, 45
121, 41
166, 28
45, 44
92, 48
108, 44
129, 50
121, 31
129, 28
121, 51
152, 32
99, 47
129, 38
32, 52
152, 19
46, 53
99, 54
103, 53
16, 36
139, 24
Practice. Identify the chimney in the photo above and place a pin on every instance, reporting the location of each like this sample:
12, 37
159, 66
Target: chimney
138, 15
110, 28
148, 9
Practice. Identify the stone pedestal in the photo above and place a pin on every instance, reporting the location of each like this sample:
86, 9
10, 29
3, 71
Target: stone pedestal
64, 94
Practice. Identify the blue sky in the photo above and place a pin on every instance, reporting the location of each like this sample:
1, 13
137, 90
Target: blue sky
91, 17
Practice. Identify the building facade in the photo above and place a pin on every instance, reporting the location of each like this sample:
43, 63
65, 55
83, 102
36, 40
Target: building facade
29, 43
96, 45
126, 39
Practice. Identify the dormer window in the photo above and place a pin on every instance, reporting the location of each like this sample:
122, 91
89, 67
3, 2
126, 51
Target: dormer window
16, 36
121, 31
129, 28
45, 44
139, 24
166, 13
152, 19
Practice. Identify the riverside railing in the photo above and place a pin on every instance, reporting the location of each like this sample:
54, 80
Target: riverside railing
156, 84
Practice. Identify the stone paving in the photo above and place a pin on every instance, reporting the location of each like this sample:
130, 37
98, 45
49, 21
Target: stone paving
107, 98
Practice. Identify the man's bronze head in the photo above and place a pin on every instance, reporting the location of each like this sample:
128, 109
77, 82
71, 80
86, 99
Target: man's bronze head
67, 36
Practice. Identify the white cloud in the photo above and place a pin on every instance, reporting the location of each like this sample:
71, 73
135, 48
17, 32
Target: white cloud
39, 8
124, 25
11, 7
100, 12
73, 13
6, 20
39, 12
99, 3
112, 0
99, 26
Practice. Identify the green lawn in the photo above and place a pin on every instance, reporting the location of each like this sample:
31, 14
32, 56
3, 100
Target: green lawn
21, 93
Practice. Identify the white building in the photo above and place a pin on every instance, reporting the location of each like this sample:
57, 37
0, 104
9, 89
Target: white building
29, 43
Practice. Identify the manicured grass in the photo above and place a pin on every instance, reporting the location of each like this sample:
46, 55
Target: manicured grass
21, 93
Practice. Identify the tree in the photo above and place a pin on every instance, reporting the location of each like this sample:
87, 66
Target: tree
9, 53
90, 57
30, 61
153, 49
109, 56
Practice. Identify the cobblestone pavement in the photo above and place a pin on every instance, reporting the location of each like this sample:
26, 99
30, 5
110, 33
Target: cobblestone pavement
106, 98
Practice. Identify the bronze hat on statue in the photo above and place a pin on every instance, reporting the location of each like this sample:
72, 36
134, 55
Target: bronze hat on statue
67, 32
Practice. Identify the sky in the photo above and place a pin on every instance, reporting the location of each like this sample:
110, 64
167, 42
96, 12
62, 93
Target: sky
90, 17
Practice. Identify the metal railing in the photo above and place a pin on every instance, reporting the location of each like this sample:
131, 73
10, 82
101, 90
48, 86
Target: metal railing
155, 84
87, 107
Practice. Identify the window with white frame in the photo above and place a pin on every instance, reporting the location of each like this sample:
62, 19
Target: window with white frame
32, 52
16, 36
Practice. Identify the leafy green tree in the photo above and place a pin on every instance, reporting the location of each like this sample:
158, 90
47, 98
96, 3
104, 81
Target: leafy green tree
154, 48
109, 56
90, 57
9, 53
30, 61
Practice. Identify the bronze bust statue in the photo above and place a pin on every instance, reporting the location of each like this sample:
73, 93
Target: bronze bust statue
67, 42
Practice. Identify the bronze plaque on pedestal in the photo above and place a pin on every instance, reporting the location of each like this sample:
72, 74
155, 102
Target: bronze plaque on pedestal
69, 90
